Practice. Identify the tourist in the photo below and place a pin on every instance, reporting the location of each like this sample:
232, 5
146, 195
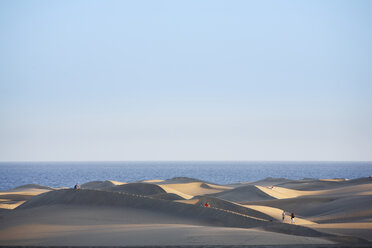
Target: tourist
293, 218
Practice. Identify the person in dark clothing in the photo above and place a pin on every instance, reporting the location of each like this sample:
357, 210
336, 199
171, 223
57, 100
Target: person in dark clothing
77, 186
293, 218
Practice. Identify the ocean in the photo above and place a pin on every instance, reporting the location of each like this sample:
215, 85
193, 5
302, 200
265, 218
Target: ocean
67, 174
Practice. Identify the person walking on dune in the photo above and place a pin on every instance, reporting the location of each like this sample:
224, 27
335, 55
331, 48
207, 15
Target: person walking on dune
283, 216
293, 218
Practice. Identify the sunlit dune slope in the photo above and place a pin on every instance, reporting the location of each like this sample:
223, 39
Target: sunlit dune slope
193, 188
12, 198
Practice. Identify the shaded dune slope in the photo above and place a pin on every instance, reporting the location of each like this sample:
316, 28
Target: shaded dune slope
243, 193
98, 185
323, 184
322, 209
211, 216
344, 209
167, 196
120, 199
270, 181
230, 206
139, 189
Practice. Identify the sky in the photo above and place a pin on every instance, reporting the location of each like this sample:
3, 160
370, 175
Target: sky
185, 80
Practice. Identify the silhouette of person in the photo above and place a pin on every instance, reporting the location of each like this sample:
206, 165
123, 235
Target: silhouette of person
293, 218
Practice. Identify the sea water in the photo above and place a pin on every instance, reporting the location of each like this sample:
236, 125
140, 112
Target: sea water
67, 174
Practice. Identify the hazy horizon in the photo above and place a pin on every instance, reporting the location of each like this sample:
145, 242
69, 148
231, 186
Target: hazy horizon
188, 161
185, 81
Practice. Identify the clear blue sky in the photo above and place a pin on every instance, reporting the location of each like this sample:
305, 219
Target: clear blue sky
185, 80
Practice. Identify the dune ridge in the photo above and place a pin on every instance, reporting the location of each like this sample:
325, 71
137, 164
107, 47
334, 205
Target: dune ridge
319, 184
212, 215
32, 186
244, 193
323, 215
119, 199
138, 189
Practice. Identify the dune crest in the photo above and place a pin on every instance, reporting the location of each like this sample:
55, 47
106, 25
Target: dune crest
244, 193
139, 189
32, 187
98, 185
194, 188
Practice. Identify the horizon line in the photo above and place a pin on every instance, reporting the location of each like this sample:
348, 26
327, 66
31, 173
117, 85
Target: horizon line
120, 161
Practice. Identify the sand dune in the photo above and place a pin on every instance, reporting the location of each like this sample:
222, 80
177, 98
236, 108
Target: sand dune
276, 213
271, 181
32, 187
356, 229
178, 180
116, 182
309, 184
153, 181
12, 198
116, 213
101, 185
171, 190
342, 190
116, 199
244, 193
139, 189
351, 208
214, 186
167, 196
279, 193
231, 206
210, 216
359, 189
334, 180
323, 184
6, 204
102, 226
324, 209
207, 216
17, 196
193, 188
98, 185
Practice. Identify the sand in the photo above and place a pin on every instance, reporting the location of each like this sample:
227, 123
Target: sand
329, 212
13, 198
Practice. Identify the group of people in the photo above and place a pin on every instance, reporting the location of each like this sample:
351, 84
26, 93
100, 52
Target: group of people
292, 217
